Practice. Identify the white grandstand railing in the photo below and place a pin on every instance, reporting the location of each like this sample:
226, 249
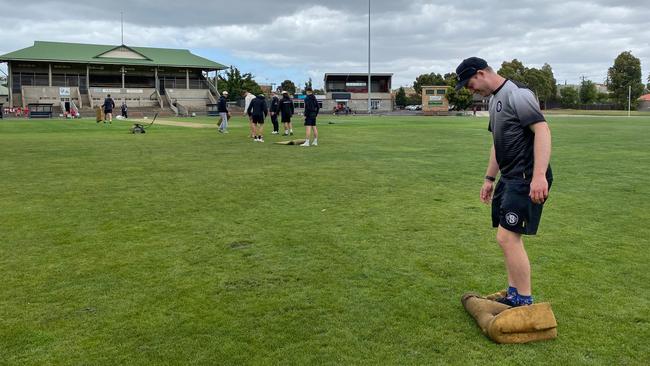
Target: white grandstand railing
73, 106
171, 104
212, 87
182, 110
81, 103
211, 97
160, 100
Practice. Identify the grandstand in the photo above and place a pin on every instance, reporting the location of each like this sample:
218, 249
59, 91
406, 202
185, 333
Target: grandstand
147, 79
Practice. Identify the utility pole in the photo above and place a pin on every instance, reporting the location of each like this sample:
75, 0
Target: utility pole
369, 81
122, 25
580, 89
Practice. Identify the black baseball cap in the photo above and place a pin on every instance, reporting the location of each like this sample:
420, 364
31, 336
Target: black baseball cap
467, 69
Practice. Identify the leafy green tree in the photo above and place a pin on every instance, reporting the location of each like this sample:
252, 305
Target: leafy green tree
461, 99
427, 80
548, 71
288, 86
308, 84
400, 97
513, 70
588, 92
538, 82
414, 99
602, 98
541, 81
450, 79
625, 73
568, 97
236, 83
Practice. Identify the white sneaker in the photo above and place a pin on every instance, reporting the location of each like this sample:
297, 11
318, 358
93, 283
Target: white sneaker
305, 144
274, 133
260, 140
256, 140
314, 143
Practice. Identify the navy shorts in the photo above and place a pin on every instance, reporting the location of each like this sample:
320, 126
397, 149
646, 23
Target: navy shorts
286, 119
513, 209
310, 120
258, 119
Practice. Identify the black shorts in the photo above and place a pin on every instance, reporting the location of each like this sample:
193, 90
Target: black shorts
513, 209
286, 119
106, 111
258, 119
310, 121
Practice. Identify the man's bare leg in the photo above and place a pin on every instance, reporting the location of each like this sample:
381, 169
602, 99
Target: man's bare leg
516, 260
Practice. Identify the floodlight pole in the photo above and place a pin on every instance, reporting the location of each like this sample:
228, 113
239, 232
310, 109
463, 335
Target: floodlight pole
369, 81
122, 25
629, 99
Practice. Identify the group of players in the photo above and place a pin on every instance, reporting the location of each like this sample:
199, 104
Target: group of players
257, 110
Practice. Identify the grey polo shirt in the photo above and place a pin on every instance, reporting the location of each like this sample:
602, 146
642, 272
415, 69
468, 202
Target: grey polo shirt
513, 108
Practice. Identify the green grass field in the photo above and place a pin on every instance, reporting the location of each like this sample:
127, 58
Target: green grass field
610, 113
183, 246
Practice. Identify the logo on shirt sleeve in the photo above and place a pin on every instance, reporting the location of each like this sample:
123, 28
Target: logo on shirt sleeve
499, 106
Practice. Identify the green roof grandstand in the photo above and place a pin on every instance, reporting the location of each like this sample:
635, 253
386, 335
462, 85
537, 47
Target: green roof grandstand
85, 74
106, 54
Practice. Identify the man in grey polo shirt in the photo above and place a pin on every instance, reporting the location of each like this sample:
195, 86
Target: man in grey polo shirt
521, 152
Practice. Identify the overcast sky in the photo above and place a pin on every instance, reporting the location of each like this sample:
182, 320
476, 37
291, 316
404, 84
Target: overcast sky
289, 39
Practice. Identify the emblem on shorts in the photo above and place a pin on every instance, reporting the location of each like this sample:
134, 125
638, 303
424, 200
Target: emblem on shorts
499, 106
512, 218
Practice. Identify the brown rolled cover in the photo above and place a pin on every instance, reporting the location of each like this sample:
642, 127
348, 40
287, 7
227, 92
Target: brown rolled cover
497, 295
505, 324
291, 142
482, 310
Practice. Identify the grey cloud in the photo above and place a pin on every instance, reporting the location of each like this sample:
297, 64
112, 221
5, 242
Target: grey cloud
199, 13
408, 37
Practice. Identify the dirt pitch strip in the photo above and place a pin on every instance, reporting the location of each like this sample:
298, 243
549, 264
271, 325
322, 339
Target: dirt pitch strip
162, 121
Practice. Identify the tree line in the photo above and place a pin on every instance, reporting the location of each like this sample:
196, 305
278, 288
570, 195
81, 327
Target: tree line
624, 73
236, 83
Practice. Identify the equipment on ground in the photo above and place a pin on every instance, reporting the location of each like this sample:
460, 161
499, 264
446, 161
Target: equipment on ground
291, 142
140, 128
506, 324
